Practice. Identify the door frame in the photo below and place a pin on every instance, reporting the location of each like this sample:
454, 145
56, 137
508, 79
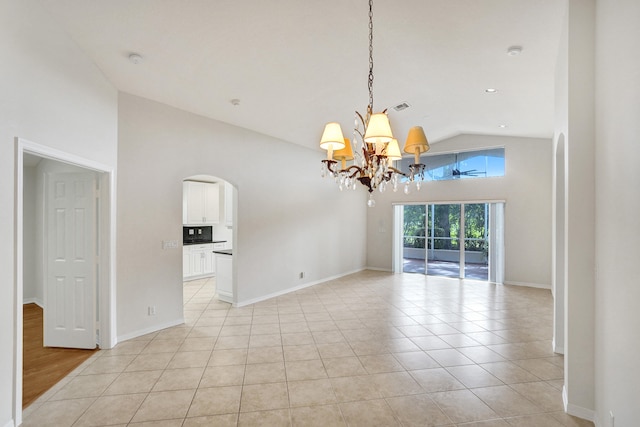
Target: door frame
106, 287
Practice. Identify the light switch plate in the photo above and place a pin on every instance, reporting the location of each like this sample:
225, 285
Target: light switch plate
169, 244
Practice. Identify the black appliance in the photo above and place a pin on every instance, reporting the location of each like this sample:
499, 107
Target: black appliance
197, 235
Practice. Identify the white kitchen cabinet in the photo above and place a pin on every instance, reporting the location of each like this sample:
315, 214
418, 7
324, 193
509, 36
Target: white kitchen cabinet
224, 278
198, 261
228, 204
201, 203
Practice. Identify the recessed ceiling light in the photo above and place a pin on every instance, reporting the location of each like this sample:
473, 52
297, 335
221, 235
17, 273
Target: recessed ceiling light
491, 90
135, 58
514, 50
502, 126
235, 102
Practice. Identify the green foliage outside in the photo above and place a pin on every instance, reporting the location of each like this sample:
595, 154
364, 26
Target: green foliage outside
443, 224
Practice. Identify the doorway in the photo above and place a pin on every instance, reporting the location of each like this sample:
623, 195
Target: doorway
458, 240
209, 231
63, 173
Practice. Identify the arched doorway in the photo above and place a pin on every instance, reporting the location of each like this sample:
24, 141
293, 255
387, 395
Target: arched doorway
209, 229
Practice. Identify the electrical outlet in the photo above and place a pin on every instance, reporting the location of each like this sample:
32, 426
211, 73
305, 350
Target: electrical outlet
151, 310
302, 275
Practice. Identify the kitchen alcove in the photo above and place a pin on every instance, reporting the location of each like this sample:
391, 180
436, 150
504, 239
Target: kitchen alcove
209, 211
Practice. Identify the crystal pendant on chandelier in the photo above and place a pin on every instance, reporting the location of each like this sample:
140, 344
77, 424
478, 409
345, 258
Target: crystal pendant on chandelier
372, 148
371, 203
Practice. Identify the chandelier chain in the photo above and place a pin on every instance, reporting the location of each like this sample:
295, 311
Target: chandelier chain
370, 80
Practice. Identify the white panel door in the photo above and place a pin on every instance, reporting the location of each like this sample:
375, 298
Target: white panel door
70, 283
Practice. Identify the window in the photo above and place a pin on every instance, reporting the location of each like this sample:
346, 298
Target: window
467, 164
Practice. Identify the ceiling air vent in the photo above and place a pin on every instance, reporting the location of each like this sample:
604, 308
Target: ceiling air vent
401, 106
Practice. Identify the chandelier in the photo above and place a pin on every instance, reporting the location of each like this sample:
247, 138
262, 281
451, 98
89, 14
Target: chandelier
374, 146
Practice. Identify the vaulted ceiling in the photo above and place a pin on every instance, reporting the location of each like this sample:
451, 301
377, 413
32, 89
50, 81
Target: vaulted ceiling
295, 65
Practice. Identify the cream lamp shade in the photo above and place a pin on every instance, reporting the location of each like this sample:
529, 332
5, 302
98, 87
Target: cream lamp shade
332, 138
378, 129
345, 154
393, 150
416, 142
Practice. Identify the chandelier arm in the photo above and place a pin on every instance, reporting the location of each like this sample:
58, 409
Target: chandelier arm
330, 165
356, 170
397, 171
364, 124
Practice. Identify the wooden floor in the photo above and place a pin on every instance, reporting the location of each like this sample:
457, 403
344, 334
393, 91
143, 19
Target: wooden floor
43, 367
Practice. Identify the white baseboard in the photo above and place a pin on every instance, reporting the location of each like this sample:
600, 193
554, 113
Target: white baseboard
556, 348
294, 288
9, 424
198, 277
531, 285
150, 329
388, 270
577, 411
580, 412
36, 301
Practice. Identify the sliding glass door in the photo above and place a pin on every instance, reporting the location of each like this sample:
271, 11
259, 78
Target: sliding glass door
476, 241
450, 240
443, 256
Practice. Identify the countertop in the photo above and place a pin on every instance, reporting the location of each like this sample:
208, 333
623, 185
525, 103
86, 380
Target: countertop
204, 243
224, 252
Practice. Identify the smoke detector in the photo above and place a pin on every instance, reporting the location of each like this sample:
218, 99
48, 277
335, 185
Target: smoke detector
136, 58
514, 50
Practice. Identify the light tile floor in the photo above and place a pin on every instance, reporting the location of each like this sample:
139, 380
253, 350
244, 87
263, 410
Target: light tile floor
369, 349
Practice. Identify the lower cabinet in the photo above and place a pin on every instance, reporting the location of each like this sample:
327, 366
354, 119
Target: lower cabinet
224, 281
198, 261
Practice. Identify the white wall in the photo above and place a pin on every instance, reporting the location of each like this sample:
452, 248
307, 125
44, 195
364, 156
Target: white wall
559, 189
617, 381
526, 188
289, 219
32, 291
52, 95
575, 120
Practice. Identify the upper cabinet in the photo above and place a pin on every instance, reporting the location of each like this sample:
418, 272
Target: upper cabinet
201, 204
228, 204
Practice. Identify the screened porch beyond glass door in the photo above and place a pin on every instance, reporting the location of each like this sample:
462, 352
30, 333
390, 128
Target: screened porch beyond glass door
432, 235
